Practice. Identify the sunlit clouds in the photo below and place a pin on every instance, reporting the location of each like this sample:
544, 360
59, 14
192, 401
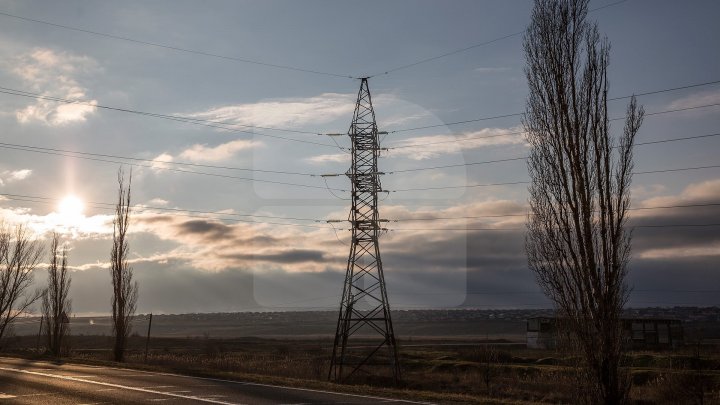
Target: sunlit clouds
285, 112
10, 176
70, 224
432, 146
700, 98
55, 74
223, 151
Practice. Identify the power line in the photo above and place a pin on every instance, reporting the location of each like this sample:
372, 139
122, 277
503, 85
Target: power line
459, 165
520, 292
518, 114
178, 49
679, 139
675, 225
226, 127
647, 93
457, 122
250, 179
430, 59
678, 170
72, 154
527, 182
467, 48
510, 183
526, 214
523, 132
194, 121
673, 110
24, 93
103, 204
174, 211
262, 63
525, 158
522, 229
68, 153
684, 138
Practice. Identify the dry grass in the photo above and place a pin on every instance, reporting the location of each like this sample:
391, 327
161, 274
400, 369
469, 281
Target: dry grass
448, 374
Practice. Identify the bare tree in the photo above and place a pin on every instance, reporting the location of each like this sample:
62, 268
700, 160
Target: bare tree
577, 244
56, 304
125, 290
20, 254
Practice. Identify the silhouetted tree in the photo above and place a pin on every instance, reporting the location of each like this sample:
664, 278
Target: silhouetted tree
19, 256
577, 244
56, 304
125, 290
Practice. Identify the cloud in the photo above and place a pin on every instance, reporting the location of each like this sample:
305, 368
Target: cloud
491, 69
161, 161
81, 227
402, 119
211, 231
204, 153
425, 265
224, 151
329, 158
158, 202
212, 245
283, 257
692, 206
648, 190
712, 249
697, 99
283, 112
431, 146
14, 175
54, 74
702, 192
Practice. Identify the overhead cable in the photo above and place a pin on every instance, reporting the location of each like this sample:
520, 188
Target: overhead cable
177, 48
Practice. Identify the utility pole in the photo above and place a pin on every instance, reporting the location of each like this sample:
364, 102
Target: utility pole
42, 319
147, 340
364, 309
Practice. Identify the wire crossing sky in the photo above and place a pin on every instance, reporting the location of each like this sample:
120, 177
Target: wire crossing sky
223, 114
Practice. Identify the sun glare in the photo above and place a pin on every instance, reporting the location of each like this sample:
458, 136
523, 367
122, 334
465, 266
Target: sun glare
71, 207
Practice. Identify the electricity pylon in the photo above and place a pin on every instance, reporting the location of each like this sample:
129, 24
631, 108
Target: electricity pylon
364, 308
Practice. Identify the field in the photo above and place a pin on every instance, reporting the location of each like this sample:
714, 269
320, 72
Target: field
485, 360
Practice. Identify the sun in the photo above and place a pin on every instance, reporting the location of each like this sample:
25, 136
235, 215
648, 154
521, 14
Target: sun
71, 207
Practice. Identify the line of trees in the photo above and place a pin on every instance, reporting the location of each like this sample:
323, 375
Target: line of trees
21, 254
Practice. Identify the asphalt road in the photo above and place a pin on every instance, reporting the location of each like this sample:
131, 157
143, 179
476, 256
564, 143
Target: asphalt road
36, 382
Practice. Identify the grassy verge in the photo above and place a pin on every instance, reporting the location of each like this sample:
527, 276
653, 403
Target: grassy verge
473, 374
394, 393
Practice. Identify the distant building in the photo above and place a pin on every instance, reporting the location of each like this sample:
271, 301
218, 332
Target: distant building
541, 333
640, 333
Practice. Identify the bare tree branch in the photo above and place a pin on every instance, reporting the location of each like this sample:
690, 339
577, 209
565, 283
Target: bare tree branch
19, 256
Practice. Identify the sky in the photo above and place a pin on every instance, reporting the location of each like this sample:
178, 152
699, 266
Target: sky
208, 236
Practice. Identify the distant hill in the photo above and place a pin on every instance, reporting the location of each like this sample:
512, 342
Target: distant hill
453, 323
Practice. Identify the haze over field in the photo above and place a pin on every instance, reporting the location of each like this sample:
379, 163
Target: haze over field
268, 247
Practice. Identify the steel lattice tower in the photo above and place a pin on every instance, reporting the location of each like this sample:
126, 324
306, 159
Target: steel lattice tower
364, 308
